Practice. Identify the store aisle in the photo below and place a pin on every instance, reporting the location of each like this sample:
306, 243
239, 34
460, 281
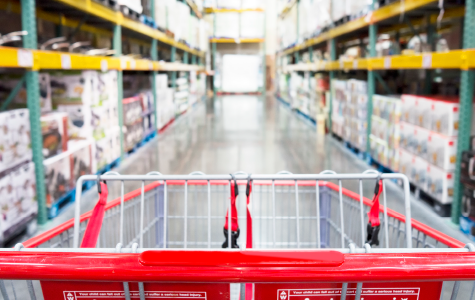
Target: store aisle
255, 135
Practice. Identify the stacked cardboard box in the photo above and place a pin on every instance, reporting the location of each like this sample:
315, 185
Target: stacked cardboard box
165, 105
90, 99
349, 111
385, 137
17, 176
182, 93
133, 127
428, 143
9, 82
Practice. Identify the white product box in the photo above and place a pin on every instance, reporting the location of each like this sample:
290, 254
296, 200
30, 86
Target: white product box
25, 204
227, 25
75, 87
83, 160
407, 164
394, 136
408, 141
440, 184
102, 152
445, 117
114, 134
358, 86
421, 142
8, 199
421, 172
79, 120
58, 176
252, 24
18, 127
408, 111
54, 130
442, 151
393, 159
9, 82
379, 128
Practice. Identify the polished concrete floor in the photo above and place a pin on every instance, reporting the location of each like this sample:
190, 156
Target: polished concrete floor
255, 135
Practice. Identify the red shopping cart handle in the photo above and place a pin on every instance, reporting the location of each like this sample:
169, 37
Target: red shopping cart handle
327, 258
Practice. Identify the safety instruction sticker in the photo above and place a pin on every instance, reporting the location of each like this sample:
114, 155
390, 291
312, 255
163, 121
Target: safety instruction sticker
88, 290
332, 291
73, 295
334, 294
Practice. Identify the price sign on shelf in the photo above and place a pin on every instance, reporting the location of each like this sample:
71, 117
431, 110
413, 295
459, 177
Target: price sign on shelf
132, 64
25, 58
65, 61
104, 66
427, 61
355, 64
123, 64
150, 66
387, 62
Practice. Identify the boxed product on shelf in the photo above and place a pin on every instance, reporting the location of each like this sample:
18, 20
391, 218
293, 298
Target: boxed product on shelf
440, 184
442, 151
252, 24
414, 139
15, 143
393, 159
407, 164
102, 152
358, 86
58, 177
9, 82
132, 108
114, 134
80, 124
379, 150
54, 130
467, 167
133, 134
227, 25
82, 158
75, 87
445, 117
17, 199
468, 202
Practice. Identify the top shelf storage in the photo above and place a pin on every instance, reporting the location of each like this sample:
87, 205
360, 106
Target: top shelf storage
384, 13
117, 18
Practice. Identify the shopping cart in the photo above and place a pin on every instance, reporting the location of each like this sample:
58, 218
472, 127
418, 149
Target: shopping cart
300, 237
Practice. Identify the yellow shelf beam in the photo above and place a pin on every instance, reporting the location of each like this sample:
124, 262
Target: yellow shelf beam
212, 10
50, 60
235, 41
383, 13
115, 17
455, 59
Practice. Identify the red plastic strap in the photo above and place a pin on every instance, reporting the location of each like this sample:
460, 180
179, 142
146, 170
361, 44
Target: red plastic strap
249, 219
95, 222
374, 211
234, 214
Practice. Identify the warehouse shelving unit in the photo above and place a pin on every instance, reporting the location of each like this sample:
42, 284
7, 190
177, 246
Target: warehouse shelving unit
105, 21
218, 40
387, 19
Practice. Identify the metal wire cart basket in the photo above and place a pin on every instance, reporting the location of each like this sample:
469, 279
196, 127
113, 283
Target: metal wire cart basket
285, 236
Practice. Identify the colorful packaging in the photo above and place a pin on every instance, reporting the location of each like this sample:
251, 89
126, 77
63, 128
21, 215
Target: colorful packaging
54, 130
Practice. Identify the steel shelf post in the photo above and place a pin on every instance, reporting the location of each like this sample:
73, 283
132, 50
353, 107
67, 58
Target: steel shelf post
213, 54
371, 81
154, 57
466, 106
117, 46
28, 22
332, 77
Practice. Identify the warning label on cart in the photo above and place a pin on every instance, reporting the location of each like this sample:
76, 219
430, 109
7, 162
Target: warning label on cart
334, 294
73, 295
332, 291
63, 290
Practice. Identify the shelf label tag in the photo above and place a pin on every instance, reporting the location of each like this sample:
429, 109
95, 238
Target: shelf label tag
355, 64
65, 61
341, 64
427, 61
104, 66
123, 64
150, 66
25, 58
387, 62
132, 64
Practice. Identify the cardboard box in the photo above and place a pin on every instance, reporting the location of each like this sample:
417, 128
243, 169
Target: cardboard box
442, 151
15, 143
408, 111
9, 82
407, 164
393, 159
75, 87
54, 130
102, 152
83, 160
80, 124
445, 117
440, 184
58, 176
408, 141
468, 202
